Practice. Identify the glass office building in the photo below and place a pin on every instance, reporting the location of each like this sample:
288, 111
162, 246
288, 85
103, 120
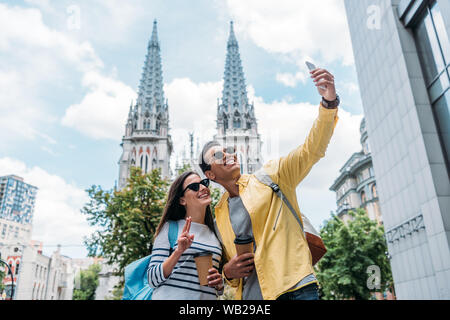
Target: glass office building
16, 199
402, 55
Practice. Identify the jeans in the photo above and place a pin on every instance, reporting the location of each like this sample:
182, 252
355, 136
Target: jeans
309, 292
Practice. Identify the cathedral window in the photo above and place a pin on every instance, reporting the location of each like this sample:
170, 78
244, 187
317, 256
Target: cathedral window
374, 191
236, 123
225, 122
146, 164
363, 197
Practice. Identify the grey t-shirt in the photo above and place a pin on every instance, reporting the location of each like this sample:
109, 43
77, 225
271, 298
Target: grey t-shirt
242, 227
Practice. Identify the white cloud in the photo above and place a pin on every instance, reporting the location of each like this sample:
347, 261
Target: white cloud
298, 30
43, 56
23, 30
291, 80
34, 57
306, 28
350, 87
192, 108
103, 111
57, 217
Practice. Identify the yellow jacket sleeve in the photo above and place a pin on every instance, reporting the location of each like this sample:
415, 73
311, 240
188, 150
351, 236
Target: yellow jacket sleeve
233, 282
296, 165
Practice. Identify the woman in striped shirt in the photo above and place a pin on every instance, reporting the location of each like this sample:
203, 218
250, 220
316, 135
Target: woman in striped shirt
172, 271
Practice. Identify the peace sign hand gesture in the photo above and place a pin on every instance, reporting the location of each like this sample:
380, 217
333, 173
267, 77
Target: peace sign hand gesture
185, 239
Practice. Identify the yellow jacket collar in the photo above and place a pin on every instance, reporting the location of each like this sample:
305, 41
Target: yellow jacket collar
242, 182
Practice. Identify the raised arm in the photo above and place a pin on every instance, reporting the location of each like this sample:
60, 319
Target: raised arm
162, 264
293, 168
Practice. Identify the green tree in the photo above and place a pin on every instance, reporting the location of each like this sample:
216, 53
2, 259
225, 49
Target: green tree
2, 276
126, 220
351, 249
215, 197
116, 294
86, 283
184, 168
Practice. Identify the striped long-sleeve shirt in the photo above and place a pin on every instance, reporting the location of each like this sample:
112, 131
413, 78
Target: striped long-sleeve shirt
183, 282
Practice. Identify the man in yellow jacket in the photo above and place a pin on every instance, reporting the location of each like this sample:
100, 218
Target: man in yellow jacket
281, 265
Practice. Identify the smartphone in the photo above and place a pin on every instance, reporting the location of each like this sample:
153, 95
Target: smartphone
311, 67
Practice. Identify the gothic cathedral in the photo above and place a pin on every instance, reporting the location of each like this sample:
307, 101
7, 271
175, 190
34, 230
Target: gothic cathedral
147, 143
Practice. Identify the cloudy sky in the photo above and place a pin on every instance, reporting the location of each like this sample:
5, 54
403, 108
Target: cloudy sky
69, 70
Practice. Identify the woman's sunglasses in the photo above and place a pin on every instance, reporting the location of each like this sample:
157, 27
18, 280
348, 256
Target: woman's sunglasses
196, 186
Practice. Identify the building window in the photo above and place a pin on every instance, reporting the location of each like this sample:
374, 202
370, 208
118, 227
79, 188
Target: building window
363, 198
146, 164
237, 123
17, 268
374, 191
434, 52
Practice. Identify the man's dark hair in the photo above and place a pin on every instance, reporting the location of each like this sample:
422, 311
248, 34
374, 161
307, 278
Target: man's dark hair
201, 159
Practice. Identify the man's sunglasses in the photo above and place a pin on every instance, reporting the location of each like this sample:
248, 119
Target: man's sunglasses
218, 155
196, 186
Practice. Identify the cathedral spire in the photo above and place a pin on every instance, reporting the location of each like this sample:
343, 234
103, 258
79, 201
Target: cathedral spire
130, 113
234, 91
235, 116
151, 95
232, 38
154, 39
147, 143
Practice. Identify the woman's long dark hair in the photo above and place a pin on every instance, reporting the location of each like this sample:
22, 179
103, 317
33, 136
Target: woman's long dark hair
175, 211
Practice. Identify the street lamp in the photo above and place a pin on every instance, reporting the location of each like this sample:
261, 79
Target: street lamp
12, 277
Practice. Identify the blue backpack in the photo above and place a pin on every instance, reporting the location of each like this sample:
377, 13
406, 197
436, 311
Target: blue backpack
136, 277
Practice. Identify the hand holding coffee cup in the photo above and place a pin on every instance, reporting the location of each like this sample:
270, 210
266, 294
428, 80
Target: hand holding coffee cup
215, 279
203, 261
243, 245
239, 266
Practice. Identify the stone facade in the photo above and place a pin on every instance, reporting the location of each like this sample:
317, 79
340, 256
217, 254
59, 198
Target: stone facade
356, 185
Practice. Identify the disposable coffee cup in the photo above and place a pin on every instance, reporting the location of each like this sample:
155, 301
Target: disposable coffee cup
203, 261
243, 245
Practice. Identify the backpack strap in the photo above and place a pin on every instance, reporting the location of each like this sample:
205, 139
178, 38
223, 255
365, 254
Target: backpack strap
173, 234
264, 178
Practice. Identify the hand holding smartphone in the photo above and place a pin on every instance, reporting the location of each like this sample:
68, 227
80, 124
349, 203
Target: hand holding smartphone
311, 67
